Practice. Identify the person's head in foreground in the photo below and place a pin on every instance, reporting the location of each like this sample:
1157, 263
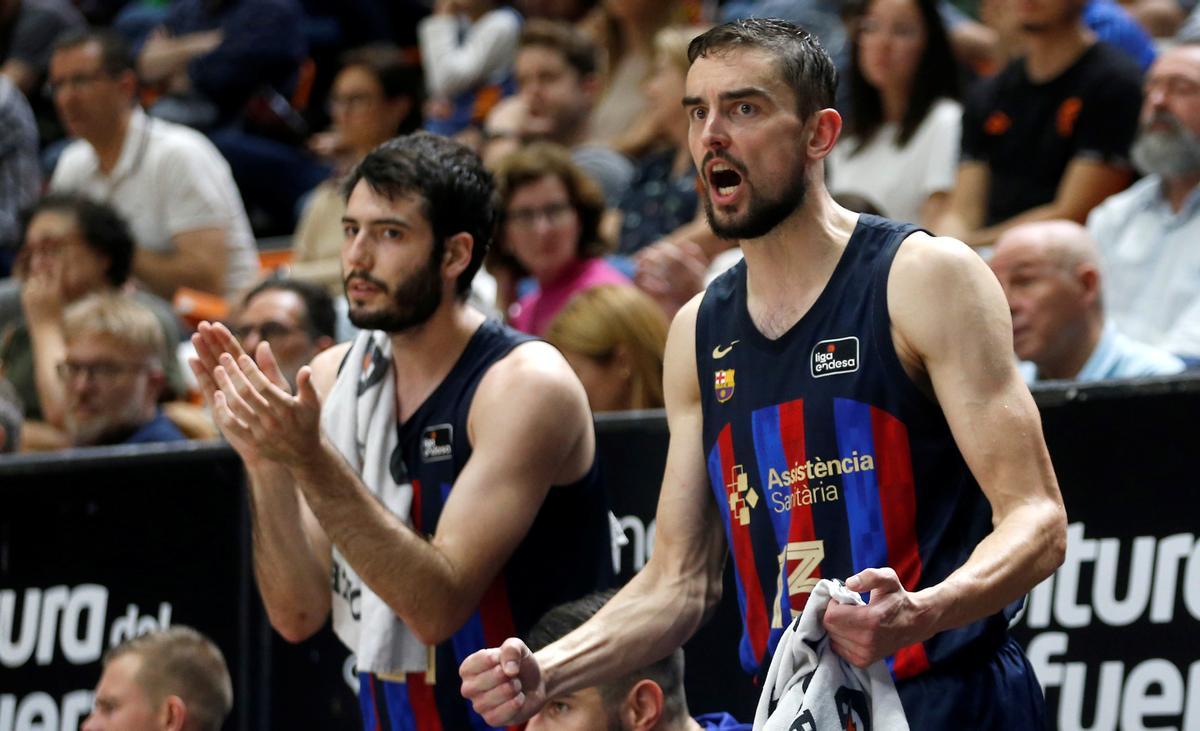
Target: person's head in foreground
648, 699
168, 680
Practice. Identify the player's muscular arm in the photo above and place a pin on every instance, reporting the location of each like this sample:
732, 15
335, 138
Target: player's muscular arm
660, 608
963, 340
517, 453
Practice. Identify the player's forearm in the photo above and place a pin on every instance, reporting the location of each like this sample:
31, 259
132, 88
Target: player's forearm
404, 569
1024, 548
293, 581
652, 616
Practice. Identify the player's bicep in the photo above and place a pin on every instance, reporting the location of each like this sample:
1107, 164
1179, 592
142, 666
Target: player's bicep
963, 339
518, 452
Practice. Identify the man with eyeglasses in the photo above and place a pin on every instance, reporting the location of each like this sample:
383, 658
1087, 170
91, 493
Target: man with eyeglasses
113, 373
168, 181
295, 318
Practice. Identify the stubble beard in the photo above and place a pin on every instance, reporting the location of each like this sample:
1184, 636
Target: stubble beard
763, 214
413, 301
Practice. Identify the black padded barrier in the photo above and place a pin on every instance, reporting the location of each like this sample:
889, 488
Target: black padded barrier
97, 544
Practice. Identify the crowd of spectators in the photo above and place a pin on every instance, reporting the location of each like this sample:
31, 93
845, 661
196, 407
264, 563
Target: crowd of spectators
191, 152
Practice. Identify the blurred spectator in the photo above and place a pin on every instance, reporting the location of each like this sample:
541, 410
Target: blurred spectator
549, 230
651, 698
20, 175
1048, 137
73, 247
1051, 278
662, 195
375, 96
1148, 235
467, 50
166, 180
112, 373
614, 338
296, 319
11, 416
27, 32
1162, 18
900, 145
625, 30
173, 678
212, 56
557, 85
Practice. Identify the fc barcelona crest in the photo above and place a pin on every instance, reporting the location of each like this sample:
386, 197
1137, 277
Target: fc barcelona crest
723, 383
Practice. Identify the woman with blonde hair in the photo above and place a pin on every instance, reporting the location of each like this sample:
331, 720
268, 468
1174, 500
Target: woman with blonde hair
614, 338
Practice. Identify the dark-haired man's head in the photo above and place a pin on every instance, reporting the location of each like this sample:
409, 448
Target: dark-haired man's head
556, 69
296, 318
169, 680
758, 97
648, 699
375, 96
420, 215
93, 82
88, 239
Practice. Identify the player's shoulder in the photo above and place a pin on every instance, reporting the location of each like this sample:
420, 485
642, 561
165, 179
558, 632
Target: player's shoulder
531, 367
925, 259
325, 366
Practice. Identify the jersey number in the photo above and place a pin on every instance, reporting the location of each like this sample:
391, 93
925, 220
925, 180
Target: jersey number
804, 557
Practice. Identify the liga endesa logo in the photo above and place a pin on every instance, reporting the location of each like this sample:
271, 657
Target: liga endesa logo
831, 357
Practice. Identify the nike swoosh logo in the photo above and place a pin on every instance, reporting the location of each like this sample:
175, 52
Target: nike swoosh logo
719, 352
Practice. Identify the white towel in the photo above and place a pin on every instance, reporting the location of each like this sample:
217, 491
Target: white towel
359, 418
809, 687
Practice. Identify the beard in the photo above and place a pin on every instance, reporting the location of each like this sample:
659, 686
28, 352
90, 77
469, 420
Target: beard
414, 300
763, 213
1169, 153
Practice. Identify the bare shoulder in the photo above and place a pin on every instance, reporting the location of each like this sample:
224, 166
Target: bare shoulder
533, 375
943, 299
325, 367
681, 382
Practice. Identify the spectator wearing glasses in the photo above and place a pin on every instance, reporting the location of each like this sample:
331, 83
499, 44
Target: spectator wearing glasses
73, 247
549, 231
113, 373
296, 319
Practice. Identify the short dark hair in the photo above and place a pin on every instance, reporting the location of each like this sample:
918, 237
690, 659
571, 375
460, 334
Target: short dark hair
558, 35
456, 190
115, 54
805, 64
397, 75
319, 316
667, 673
936, 77
103, 230
540, 159
182, 662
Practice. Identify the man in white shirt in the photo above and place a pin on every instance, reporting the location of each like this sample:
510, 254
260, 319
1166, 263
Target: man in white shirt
168, 181
1147, 235
1052, 281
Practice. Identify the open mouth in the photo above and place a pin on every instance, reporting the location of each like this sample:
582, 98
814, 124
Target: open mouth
724, 179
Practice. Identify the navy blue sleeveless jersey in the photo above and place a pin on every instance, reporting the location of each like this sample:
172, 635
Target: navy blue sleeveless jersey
566, 554
825, 459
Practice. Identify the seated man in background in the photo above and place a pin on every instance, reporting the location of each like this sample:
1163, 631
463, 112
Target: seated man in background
11, 417
296, 318
1048, 137
558, 83
1147, 235
1051, 278
113, 373
649, 699
170, 679
168, 181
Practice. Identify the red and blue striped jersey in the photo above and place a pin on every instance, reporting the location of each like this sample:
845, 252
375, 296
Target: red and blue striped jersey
826, 459
566, 553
